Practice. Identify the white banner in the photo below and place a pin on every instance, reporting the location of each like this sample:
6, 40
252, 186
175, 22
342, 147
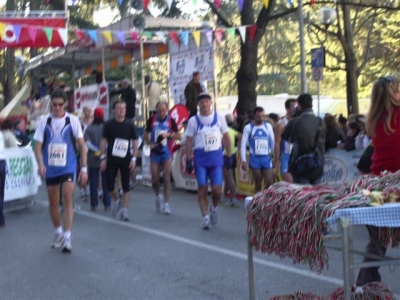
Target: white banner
92, 96
22, 179
182, 66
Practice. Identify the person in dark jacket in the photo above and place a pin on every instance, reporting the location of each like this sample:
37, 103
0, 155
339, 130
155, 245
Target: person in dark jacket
307, 134
192, 90
352, 131
334, 133
128, 94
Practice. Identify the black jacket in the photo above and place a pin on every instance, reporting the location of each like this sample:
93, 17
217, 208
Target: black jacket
129, 96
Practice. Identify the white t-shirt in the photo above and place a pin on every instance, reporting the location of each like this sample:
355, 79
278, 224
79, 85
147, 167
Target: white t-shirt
191, 130
2, 147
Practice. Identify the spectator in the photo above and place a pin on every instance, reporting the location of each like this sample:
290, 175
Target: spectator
128, 94
274, 119
192, 90
362, 139
43, 88
20, 133
352, 131
10, 140
334, 134
343, 124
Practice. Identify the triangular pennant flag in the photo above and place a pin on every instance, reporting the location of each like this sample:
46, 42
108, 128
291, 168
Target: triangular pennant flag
231, 33
2, 29
174, 37
17, 32
196, 37
194, 2
266, 3
217, 4
169, 3
79, 34
290, 2
185, 37
120, 2
93, 35
135, 36
63, 33
209, 36
218, 35
242, 31
146, 4
148, 34
252, 32
312, 2
49, 34
240, 4
120, 36
32, 33
107, 35
160, 35
73, 2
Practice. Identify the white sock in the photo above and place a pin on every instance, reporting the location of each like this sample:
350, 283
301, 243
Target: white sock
124, 209
100, 193
67, 234
214, 208
206, 217
58, 230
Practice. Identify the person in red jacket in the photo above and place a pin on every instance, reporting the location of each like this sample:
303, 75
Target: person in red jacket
383, 126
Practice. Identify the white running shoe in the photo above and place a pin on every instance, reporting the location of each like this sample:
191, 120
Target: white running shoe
116, 207
234, 203
159, 202
66, 245
206, 225
57, 241
167, 209
213, 215
124, 215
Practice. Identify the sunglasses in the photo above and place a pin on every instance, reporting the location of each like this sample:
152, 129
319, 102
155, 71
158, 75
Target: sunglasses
388, 79
57, 104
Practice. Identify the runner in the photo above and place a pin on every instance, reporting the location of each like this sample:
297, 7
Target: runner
204, 136
160, 128
56, 137
86, 120
120, 134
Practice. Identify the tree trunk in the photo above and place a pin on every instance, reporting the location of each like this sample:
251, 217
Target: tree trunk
9, 72
246, 78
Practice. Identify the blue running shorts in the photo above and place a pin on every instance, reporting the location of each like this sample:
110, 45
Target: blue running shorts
260, 162
203, 173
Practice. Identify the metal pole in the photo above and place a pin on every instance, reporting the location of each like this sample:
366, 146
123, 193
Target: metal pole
73, 71
318, 93
345, 223
302, 50
168, 90
144, 102
103, 64
215, 76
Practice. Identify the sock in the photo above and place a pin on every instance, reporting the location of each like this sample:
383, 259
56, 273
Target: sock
67, 234
214, 208
124, 210
206, 217
99, 193
58, 230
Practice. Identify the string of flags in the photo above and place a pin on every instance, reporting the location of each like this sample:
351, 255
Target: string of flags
177, 37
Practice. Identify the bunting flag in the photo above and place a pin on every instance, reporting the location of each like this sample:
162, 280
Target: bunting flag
161, 36
185, 37
2, 29
135, 36
120, 2
32, 33
174, 37
252, 32
194, 2
209, 35
79, 34
266, 3
218, 35
63, 33
146, 4
231, 33
107, 35
147, 34
93, 35
169, 3
196, 37
217, 4
120, 36
17, 32
240, 4
242, 31
49, 34
312, 2
290, 2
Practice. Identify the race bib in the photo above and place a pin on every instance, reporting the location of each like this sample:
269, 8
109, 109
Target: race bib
261, 147
212, 141
158, 132
57, 155
120, 148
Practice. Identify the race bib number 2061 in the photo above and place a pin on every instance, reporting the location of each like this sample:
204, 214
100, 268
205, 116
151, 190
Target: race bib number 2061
57, 155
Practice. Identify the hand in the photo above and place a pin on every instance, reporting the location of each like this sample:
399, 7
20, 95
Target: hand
132, 165
244, 166
160, 138
189, 166
96, 154
166, 135
228, 162
42, 171
82, 178
103, 165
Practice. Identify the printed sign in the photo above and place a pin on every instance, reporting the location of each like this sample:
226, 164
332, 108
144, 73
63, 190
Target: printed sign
92, 96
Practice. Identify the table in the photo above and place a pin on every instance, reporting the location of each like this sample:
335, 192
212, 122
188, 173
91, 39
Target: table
387, 215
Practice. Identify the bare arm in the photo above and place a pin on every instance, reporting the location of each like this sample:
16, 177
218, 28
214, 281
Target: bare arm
146, 137
39, 159
82, 151
278, 137
189, 148
227, 144
103, 144
135, 148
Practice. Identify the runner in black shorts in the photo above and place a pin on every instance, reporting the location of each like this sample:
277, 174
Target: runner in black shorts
121, 137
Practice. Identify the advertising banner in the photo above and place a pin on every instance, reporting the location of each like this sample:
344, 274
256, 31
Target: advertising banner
22, 179
92, 96
182, 66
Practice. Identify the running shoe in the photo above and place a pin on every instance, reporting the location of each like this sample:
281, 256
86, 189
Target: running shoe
234, 203
120, 192
167, 209
159, 202
213, 215
224, 201
57, 241
116, 207
124, 215
66, 245
206, 225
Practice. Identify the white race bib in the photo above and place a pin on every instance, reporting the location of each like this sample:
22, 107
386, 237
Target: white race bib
261, 147
158, 132
120, 148
57, 155
212, 141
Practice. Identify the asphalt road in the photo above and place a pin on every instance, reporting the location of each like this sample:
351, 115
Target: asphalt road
153, 256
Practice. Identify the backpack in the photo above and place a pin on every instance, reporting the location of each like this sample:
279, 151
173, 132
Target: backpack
171, 142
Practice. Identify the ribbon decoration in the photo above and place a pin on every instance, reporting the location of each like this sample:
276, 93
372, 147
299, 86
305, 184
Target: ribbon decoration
231, 33
161, 36
79, 34
185, 37
218, 35
196, 37
240, 4
107, 35
135, 36
174, 37
120, 36
63, 33
242, 31
32, 33
17, 32
252, 32
49, 34
93, 35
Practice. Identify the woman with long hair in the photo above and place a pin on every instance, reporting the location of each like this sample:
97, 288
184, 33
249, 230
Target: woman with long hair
383, 126
334, 133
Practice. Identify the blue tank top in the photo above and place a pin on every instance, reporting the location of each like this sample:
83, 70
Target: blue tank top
259, 140
209, 153
159, 127
59, 155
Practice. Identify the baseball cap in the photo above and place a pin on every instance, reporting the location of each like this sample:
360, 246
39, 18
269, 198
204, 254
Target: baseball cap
203, 96
99, 113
